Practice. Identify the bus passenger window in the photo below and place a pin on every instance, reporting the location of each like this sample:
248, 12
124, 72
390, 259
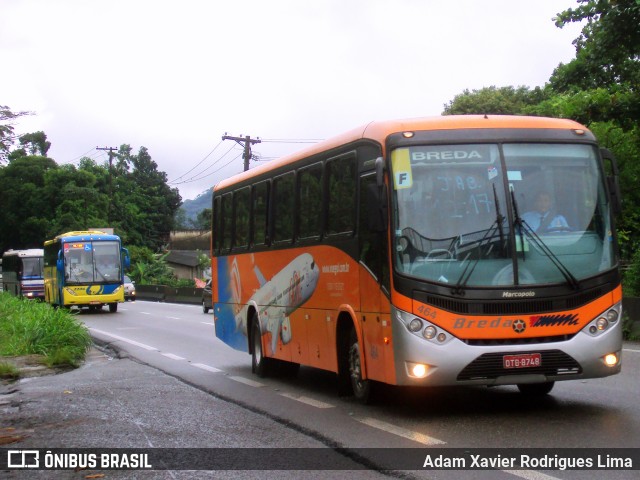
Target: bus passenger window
310, 207
342, 194
241, 200
260, 213
283, 207
226, 222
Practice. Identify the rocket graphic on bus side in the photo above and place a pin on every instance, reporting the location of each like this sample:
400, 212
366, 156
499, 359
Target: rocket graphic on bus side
277, 298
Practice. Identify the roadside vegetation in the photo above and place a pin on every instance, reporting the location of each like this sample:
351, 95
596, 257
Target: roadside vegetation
35, 328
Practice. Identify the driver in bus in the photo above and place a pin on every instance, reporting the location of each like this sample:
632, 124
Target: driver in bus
544, 218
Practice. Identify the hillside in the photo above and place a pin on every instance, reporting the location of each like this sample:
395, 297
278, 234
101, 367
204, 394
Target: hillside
195, 206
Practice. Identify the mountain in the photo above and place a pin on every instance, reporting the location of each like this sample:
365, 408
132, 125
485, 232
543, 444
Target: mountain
193, 207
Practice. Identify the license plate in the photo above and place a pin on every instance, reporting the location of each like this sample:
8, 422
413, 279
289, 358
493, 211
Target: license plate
524, 360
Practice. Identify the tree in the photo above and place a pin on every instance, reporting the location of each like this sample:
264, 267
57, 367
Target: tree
7, 135
496, 101
607, 60
26, 213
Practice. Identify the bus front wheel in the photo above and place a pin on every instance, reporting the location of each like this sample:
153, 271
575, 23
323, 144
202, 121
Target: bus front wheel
361, 387
535, 389
113, 307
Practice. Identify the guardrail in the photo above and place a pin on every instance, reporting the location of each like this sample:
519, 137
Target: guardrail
162, 293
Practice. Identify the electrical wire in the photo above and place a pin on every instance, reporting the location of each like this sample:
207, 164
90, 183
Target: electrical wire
198, 164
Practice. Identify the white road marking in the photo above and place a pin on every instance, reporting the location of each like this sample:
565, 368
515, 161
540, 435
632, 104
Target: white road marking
206, 367
174, 318
172, 356
126, 340
307, 400
145, 313
401, 432
530, 475
209, 323
246, 381
630, 350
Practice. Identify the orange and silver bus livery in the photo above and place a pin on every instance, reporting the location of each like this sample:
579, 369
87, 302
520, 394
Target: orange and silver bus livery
460, 250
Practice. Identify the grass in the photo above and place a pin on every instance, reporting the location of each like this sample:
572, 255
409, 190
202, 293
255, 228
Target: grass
29, 327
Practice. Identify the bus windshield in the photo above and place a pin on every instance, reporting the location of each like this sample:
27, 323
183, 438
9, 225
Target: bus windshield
500, 215
32, 268
92, 262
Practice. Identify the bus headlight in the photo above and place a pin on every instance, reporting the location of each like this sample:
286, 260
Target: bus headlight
602, 323
612, 316
611, 359
415, 325
429, 332
417, 370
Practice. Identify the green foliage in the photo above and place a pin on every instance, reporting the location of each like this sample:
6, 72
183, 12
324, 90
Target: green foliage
7, 135
29, 327
41, 199
496, 101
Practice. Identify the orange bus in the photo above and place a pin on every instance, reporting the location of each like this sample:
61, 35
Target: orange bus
454, 250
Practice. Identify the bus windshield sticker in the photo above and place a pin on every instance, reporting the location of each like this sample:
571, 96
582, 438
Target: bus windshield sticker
401, 163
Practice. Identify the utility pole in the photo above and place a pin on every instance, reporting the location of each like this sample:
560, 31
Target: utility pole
245, 142
111, 154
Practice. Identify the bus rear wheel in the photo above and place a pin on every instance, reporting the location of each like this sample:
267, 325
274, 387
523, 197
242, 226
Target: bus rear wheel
361, 387
535, 389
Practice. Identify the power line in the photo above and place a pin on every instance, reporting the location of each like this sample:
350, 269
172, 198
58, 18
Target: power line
199, 175
292, 140
199, 163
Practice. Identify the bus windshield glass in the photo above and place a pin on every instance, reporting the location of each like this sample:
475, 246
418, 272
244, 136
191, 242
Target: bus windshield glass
32, 268
500, 215
92, 262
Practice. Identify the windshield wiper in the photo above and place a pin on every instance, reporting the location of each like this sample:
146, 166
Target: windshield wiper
458, 289
524, 229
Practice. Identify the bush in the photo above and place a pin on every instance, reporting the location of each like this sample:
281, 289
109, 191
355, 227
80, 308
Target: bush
30, 327
631, 277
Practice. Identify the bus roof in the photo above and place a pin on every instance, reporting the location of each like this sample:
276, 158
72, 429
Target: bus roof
29, 252
83, 235
379, 130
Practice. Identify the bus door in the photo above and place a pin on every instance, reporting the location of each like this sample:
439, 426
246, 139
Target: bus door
374, 303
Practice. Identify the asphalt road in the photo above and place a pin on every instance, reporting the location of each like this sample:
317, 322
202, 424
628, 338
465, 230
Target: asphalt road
179, 340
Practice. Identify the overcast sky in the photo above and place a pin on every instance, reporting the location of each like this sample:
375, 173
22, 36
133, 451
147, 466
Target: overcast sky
175, 76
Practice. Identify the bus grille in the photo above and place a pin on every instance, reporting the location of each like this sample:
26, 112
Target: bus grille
484, 342
508, 307
489, 366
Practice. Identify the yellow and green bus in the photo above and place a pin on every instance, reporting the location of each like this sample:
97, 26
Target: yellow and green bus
85, 269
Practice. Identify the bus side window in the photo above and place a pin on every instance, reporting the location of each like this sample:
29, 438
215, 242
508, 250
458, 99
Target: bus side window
284, 198
341, 190
226, 222
260, 202
241, 199
310, 202
217, 225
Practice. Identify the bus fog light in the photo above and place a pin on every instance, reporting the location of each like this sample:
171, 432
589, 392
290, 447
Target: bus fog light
415, 325
602, 323
611, 360
417, 370
429, 332
441, 337
612, 316
593, 330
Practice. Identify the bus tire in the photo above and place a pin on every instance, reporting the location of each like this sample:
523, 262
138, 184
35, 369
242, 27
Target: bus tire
260, 365
361, 387
113, 307
535, 389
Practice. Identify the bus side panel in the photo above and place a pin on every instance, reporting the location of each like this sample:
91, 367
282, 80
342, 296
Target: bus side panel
297, 294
